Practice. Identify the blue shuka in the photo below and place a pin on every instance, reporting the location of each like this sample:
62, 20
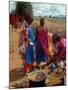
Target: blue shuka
29, 51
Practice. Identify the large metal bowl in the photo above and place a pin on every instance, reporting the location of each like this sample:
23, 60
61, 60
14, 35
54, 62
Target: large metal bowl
38, 80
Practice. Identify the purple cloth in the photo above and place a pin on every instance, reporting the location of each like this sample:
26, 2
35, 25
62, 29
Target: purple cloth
41, 45
43, 39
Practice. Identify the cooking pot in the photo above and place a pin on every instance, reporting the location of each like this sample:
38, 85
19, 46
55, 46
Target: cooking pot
37, 78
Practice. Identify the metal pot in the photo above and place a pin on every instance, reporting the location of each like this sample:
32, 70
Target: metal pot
40, 82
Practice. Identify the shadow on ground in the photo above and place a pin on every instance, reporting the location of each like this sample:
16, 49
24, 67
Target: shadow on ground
16, 74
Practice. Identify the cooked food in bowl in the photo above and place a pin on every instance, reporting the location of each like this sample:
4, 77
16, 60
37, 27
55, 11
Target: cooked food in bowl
37, 75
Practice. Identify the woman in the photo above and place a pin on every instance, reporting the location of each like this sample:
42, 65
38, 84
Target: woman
41, 43
23, 39
59, 45
29, 57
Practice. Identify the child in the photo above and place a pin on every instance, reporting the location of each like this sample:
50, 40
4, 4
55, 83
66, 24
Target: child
41, 43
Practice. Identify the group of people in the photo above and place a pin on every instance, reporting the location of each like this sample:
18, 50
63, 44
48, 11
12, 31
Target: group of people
41, 48
15, 20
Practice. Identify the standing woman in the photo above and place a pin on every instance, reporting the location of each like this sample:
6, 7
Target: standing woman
29, 57
41, 43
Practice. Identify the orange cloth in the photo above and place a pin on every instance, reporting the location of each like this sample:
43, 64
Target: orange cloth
50, 45
28, 68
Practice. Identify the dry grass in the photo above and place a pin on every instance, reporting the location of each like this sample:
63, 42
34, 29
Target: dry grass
54, 25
